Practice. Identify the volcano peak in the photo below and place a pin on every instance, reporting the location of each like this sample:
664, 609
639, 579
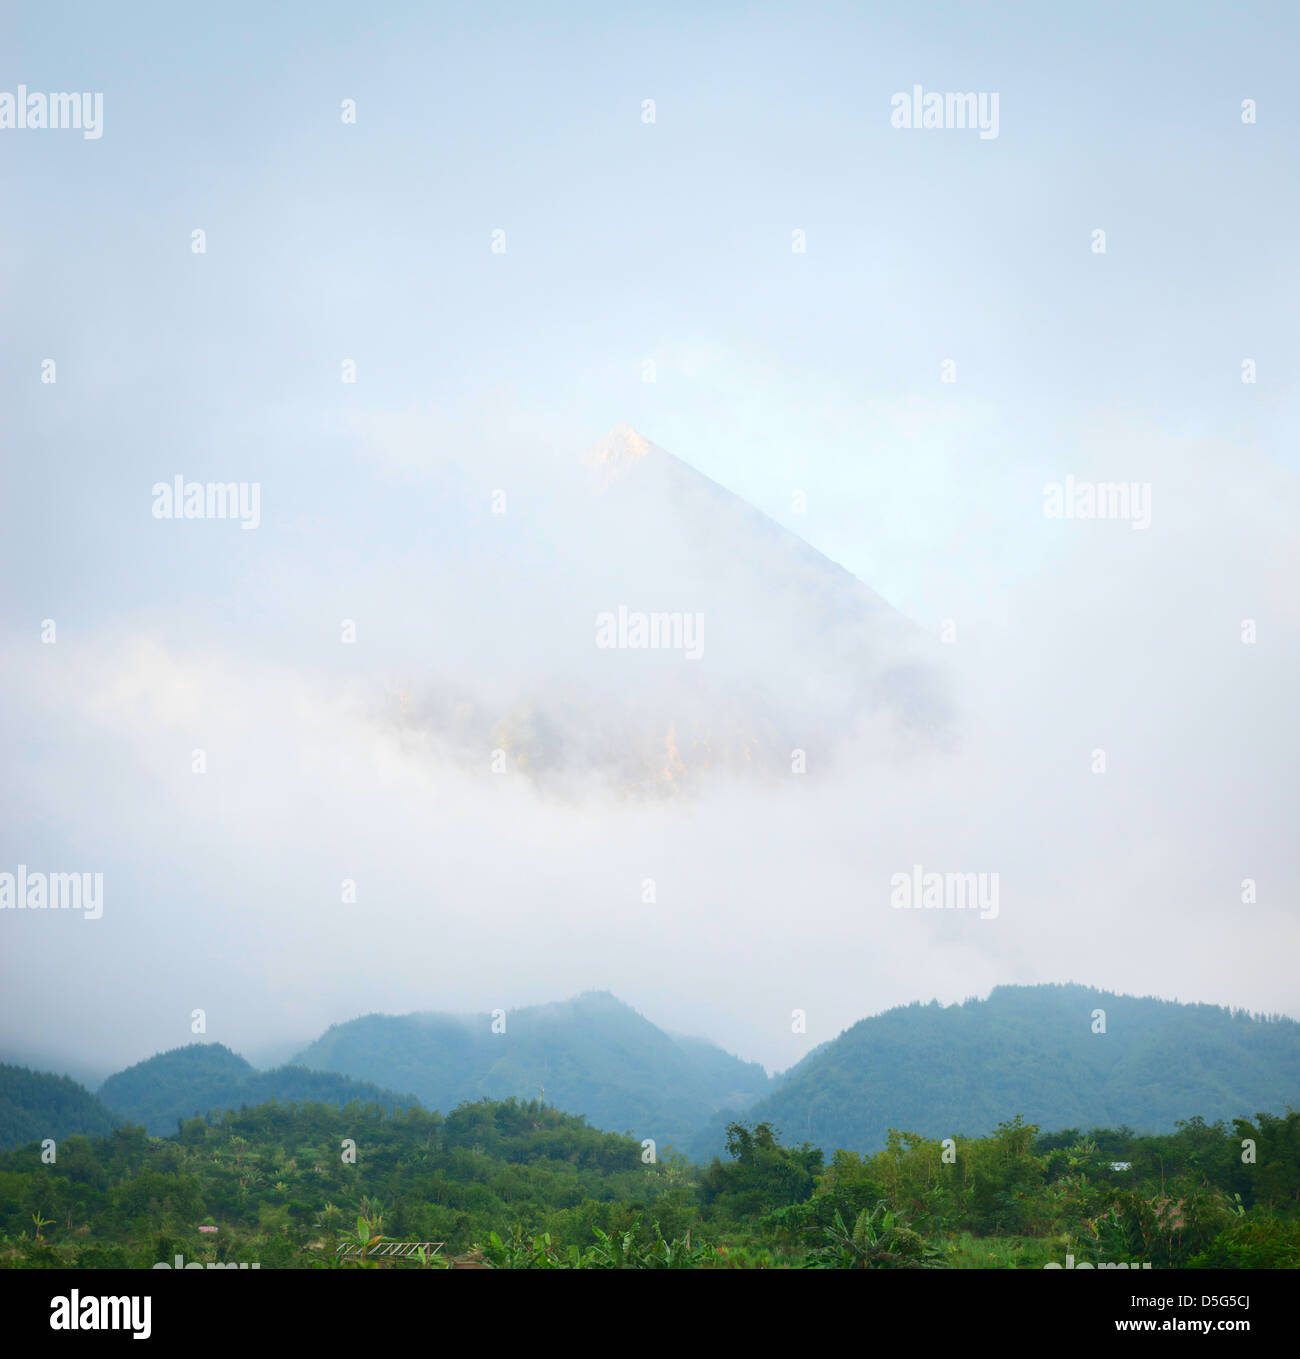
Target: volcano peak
618, 452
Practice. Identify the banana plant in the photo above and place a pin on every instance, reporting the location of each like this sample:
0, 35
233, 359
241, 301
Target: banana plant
522, 1251
367, 1236
615, 1252
877, 1241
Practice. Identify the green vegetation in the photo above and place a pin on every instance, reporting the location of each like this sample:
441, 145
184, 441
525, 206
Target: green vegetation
35, 1105
219, 1163
1030, 1049
592, 1055
523, 1186
203, 1078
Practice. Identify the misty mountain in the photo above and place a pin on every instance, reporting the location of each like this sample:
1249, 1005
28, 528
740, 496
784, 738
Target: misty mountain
688, 635
591, 1055
35, 1105
202, 1078
955, 1070
961, 1069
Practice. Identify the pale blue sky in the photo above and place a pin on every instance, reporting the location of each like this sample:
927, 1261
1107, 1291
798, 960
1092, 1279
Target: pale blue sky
777, 372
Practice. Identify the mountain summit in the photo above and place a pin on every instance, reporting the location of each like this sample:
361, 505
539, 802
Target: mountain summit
591, 1055
618, 453
664, 631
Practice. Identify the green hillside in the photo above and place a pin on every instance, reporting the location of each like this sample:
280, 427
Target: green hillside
1031, 1050
35, 1105
204, 1077
592, 1055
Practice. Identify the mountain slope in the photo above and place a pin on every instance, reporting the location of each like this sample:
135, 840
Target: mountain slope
772, 646
1031, 1050
592, 1055
35, 1105
204, 1077
631, 471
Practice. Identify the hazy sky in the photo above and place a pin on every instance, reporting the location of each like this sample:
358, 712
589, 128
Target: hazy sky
777, 371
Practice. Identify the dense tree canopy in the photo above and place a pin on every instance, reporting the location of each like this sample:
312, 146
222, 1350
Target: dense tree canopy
521, 1185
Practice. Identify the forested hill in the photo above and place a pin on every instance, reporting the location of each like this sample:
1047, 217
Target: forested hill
1062, 1056
205, 1077
35, 1105
962, 1069
592, 1055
